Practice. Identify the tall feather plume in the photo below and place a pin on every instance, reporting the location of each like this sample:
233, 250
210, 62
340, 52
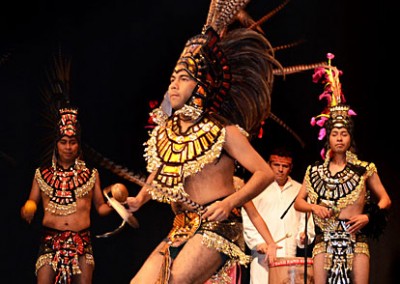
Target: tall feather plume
223, 12
55, 93
247, 21
211, 12
296, 68
251, 60
269, 15
288, 45
288, 129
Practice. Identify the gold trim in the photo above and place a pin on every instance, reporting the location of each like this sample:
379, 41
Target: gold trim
176, 156
64, 209
337, 192
213, 240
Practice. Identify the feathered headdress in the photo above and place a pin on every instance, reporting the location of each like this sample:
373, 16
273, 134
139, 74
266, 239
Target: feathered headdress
234, 67
60, 116
336, 113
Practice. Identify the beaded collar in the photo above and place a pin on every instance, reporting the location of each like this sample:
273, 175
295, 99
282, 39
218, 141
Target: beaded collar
176, 155
340, 190
64, 186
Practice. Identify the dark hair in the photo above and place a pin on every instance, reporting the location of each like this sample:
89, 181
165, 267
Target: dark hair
282, 152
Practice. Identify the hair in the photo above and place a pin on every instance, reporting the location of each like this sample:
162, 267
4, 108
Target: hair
282, 152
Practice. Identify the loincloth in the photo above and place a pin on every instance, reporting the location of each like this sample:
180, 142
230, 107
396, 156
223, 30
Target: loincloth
339, 247
226, 237
61, 250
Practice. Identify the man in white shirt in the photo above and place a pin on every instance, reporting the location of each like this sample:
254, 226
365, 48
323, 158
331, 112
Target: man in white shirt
275, 205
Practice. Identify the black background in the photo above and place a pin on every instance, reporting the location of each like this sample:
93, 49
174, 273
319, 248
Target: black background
122, 55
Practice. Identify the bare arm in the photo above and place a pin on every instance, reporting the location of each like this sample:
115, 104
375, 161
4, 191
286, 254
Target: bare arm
34, 196
142, 197
302, 205
98, 199
270, 247
359, 221
376, 186
258, 222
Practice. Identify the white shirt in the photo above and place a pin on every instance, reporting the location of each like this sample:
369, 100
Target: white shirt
271, 204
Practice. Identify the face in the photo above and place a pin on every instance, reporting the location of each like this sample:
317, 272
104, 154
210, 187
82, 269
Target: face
281, 166
180, 88
68, 148
339, 140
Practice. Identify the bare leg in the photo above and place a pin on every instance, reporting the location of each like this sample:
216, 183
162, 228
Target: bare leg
320, 274
46, 275
87, 272
195, 263
360, 269
150, 270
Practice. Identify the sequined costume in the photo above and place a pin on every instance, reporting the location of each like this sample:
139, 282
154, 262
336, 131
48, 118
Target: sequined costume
337, 192
226, 237
175, 156
61, 250
233, 72
64, 186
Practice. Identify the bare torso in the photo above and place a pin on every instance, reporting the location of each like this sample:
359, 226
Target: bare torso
76, 221
353, 209
215, 181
